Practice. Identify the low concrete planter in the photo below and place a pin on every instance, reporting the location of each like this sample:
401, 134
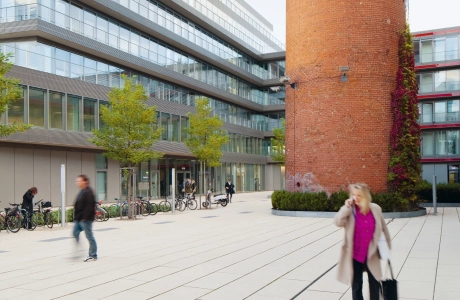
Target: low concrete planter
329, 214
430, 204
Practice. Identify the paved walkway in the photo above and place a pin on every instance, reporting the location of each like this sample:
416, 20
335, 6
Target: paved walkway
237, 252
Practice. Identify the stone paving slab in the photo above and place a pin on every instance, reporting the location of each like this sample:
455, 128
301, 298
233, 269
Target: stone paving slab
241, 251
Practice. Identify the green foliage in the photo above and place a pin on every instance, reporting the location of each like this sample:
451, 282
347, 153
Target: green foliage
307, 201
206, 137
10, 91
279, 142
445, 192
129, 132
404, 167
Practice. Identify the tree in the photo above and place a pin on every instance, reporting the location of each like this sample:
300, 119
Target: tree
404, 166
129, 133
10, 91
206, 137
279, 142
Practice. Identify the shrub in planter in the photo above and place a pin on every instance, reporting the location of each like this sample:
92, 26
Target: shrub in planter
337, 200
446, 192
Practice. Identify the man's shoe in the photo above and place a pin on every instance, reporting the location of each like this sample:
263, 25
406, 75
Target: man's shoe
90, 258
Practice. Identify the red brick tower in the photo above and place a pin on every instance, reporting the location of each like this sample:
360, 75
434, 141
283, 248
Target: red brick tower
338, 132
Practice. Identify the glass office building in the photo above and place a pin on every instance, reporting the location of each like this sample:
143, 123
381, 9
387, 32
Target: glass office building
437, 61
69, 54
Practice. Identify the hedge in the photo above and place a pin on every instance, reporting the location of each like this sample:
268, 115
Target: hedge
445, 192
306, 201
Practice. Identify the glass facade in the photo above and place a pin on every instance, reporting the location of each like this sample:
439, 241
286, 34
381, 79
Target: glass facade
438, 48
439, 81
42, 57
439, 111
92, 25
440, 143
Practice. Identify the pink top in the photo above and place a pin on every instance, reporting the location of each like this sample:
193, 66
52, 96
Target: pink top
364, 231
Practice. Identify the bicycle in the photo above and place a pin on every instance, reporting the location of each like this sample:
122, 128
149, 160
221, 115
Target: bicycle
102, 214
189, 203
27, 220
165, 205
10, 220
43, 214
148, 208
115, 208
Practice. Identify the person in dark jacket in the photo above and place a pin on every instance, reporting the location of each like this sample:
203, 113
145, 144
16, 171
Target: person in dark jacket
84, 214
28, 201
229, 189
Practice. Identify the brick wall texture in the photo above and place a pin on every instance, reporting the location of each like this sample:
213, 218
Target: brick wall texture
337, 133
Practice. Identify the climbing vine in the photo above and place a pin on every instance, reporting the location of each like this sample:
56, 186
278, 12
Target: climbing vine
404, 166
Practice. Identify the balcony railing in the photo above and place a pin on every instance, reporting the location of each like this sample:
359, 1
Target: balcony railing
439, 118
430, 57
439, 87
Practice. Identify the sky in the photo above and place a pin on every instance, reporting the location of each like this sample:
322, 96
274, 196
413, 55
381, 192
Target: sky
423, 14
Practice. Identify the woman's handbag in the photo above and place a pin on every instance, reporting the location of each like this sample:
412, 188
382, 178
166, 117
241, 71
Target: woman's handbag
390, 286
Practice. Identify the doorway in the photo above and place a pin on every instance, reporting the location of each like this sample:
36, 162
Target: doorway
180, 178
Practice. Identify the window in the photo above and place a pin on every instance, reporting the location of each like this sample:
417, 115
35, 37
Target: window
56, 105
164, 125
101, 177
427, 113
89, 114
106, 104
175, 121
73, 113
183, 129
37, 107
447, 142
16, 109
439, 49
440, 111
427, 51
452, 47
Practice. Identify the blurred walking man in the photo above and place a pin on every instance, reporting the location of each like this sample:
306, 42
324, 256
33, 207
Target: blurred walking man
84, 210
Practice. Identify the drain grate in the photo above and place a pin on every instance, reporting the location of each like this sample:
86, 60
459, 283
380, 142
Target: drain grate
3, 251
245, 212
208, 217
57, 239
106, 229
164, 222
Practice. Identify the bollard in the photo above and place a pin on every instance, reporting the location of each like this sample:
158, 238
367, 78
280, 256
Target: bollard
173, 190
435, 200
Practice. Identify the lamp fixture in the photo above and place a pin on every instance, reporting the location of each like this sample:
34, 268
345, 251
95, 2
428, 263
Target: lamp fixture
287, 80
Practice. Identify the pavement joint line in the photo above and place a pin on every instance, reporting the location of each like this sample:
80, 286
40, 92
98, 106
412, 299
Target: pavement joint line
275, 260
412, 247
439, 251
295, 223
311, 283
321, 220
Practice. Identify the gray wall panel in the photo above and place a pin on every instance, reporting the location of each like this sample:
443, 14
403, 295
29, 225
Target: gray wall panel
88, 167
24, 172
7, 176
440, 170
42, 174
73, 169
57, 158
113, 180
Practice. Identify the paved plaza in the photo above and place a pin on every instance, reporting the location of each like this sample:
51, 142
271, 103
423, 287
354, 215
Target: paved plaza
241, 251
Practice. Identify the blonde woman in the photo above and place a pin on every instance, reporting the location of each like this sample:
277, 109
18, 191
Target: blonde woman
363, 223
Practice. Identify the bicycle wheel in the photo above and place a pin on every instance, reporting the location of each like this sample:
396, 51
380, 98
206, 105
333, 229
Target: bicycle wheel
13, 223
192, 204
165, 206
153, 208
48, 219
32, 222
99, 217
114, 210
145, 209
106, 214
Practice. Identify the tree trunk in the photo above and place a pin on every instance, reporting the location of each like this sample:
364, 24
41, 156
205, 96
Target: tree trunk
130, 198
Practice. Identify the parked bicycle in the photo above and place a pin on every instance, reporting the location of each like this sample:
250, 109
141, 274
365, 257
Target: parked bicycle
28, 221
10, 219
148, 207
102, 214
43, 214
115, 208
165, 205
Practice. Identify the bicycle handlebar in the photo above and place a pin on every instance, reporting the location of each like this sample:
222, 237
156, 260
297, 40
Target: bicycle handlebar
38, 202
14, 204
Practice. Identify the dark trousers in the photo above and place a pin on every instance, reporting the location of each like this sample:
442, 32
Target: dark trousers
229, 197
357, 285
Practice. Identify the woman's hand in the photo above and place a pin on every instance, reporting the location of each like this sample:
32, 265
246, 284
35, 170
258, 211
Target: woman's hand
349, 203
